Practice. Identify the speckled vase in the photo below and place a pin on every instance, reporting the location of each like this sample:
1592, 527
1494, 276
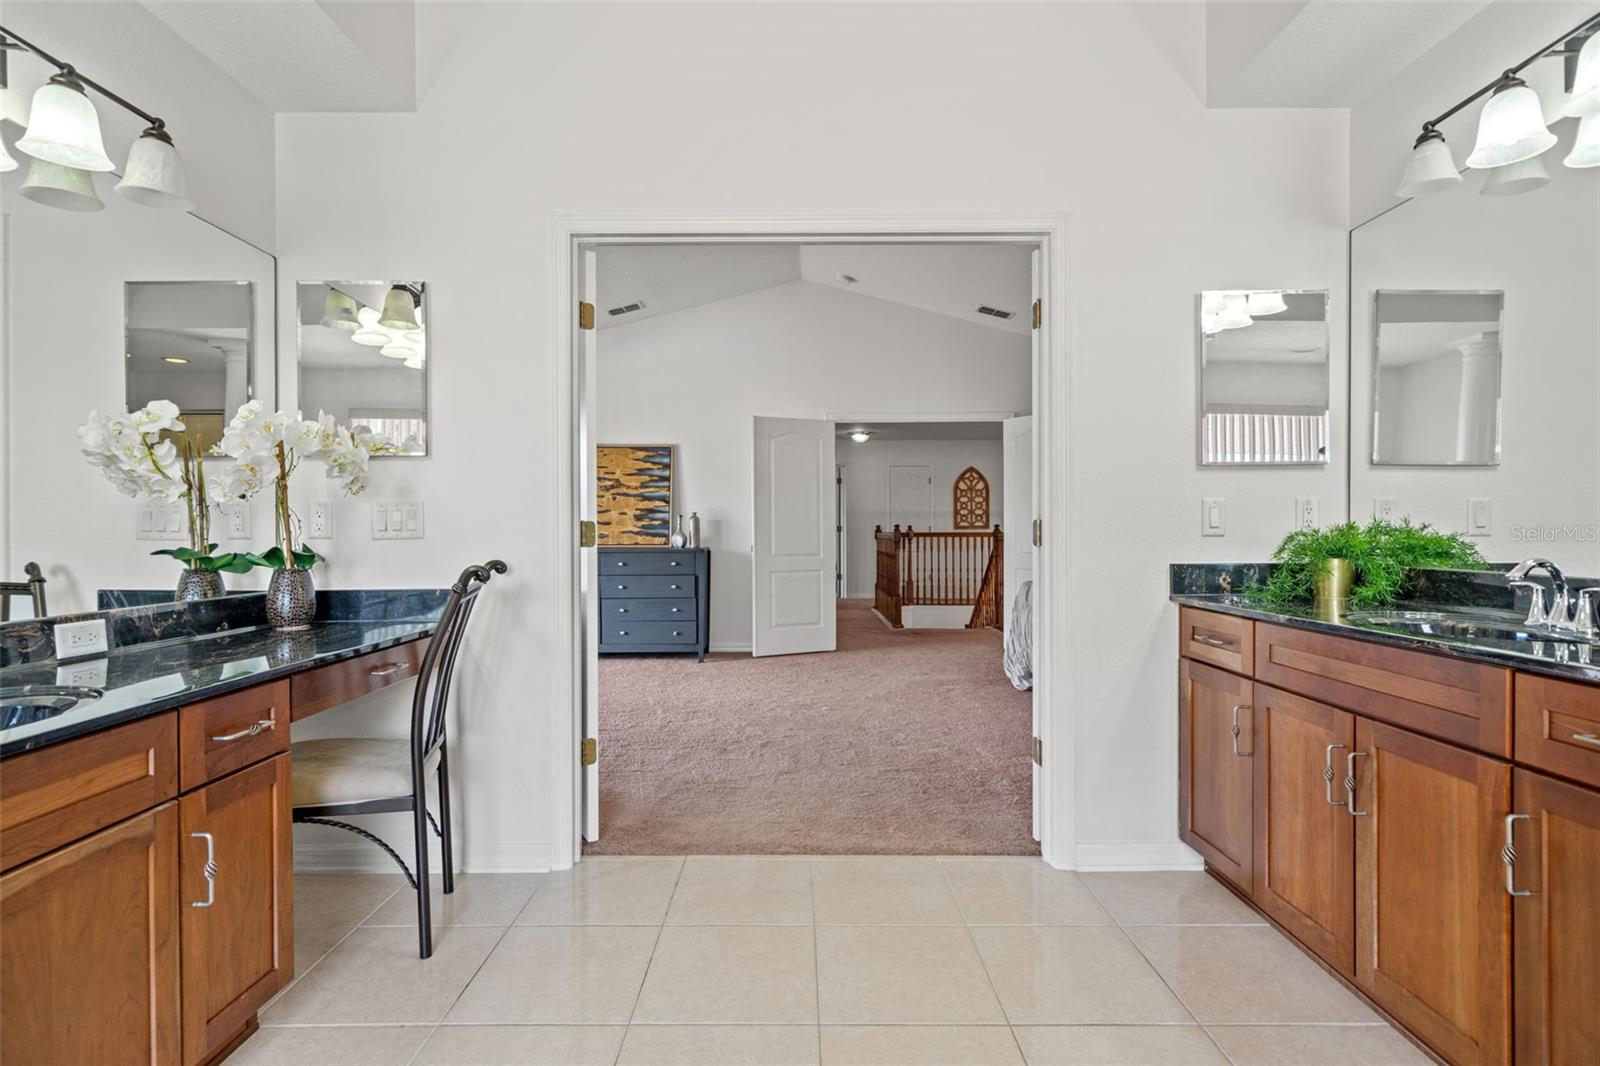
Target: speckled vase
291, 599
199, 585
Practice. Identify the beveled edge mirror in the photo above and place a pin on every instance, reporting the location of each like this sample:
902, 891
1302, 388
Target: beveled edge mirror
177, 329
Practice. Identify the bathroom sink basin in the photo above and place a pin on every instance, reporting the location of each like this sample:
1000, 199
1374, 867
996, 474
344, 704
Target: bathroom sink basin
1464, 627
26, 704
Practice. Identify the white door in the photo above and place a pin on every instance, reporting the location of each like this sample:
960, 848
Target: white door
794, 546
1018, 518
910, 497
588, 587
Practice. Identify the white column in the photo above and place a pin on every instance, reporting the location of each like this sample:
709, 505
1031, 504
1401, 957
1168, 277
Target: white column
1480, 397
236, 375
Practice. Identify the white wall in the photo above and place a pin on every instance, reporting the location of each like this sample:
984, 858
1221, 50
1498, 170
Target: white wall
696, 378
718, 110
866, 485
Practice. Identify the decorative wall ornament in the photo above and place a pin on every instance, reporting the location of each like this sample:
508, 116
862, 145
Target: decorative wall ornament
971, 505
634, 494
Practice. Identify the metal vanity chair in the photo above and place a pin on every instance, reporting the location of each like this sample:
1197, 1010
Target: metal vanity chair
339, 777
33, 589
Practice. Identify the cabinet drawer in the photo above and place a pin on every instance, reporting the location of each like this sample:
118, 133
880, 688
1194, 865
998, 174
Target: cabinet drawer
219, 736
1465, 703
66, 791
328, 686
633, 587
1219, 639
646, 610
638, 562
1558, 727
628, 633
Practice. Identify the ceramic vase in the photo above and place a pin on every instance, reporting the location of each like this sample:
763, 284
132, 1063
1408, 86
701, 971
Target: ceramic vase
199, 585
679, 539
291, 599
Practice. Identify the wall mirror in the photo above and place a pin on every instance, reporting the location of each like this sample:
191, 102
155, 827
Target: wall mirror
363, 357
190, 342
1475, 365
1436, 385
1263, 377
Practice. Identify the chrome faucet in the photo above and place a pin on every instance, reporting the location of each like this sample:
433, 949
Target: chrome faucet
1562, 615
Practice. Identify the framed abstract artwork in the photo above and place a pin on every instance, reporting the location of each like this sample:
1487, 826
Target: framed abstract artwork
634, 494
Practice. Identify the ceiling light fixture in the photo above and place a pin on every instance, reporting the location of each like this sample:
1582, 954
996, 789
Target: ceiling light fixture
1511, 125
64, 131
176, 360
860, 436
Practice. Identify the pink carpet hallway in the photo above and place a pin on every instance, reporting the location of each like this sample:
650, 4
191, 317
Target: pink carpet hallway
901, 742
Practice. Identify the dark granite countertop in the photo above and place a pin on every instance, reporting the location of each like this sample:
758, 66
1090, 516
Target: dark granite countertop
1564, 659
175, 654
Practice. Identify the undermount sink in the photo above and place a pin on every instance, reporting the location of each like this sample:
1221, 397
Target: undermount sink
1467, 627
26, 704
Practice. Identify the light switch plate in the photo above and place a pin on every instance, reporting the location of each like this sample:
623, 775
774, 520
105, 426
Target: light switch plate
74, 640
1480, 516
1212, 515
397, 520
319, 520
160, 520
1306, 510
1386, 509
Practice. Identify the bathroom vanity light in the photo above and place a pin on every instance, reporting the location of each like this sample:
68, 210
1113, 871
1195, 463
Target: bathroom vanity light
63, 132
339, 311
399, 309
1514, 178
1586, 148
1258, 304
1511, 127
1584, 100
370, 332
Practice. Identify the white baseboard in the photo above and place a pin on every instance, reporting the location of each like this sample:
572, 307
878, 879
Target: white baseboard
364, 858
744, 648
935, 617
1137, 855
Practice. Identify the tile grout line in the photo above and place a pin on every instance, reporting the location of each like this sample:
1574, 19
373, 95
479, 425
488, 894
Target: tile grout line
816, 949
972, 939
683, 864
476, 970
360, 923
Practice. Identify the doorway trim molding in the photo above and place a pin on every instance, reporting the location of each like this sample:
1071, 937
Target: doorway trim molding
1055, 654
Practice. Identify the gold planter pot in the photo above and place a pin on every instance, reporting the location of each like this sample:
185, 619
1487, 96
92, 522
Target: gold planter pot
1333, 584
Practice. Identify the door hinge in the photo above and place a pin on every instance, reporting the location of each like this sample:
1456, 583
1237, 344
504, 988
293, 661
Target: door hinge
1038, 751
588, 533
585, 315
1038, 532
1038, 313
591, 751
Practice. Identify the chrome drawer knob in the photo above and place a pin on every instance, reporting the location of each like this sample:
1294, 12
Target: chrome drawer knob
674, 610
622, 610
622, 632
674, 586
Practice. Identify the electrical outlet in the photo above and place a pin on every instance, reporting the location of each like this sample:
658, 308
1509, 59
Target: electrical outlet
319, 521
1212, 510
397, 520
1305, 512
1386, 509
236, 519
74, 640
90, 672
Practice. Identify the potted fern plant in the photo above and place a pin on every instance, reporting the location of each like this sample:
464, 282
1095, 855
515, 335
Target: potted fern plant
1368, 567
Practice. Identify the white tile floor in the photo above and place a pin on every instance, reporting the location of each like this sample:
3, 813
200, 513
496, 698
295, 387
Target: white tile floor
708, 961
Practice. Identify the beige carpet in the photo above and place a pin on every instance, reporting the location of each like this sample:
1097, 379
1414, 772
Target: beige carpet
901, 742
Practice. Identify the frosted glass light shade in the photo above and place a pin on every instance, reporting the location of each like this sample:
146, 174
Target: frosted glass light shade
154, 174
1258, 304
1429, 168
399, 309
1586, 148
64, 128
7, 164
1525, 176
339, 312
54, 185
1585, 98
398, 349
1233, 314
1510, 128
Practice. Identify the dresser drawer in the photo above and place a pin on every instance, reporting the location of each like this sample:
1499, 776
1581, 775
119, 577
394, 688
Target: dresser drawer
1223, 640
651, 585
636, 633
645, 562
646, 610
1449, 699
328, 686
66, 791
1558, 727
217, 737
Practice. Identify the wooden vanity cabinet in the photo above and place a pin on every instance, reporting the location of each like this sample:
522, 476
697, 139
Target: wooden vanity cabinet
1556, 920
1215, 775
1304, 874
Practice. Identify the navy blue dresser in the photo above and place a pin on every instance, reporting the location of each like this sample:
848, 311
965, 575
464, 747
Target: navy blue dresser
655, 600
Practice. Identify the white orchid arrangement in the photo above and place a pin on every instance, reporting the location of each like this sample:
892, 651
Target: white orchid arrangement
148, 453
268, 446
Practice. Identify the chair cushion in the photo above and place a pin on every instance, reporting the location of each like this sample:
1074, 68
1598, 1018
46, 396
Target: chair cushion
351, 770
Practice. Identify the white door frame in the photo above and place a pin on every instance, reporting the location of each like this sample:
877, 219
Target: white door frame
1056, 659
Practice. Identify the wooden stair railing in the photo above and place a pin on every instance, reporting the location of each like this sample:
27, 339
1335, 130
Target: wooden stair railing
886, 592
989, 608
945, 569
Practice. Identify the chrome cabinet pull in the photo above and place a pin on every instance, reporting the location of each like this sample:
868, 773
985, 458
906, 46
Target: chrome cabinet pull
209, 872
248, 731
1350, 783
1587, 738
1215, 642
674, 562
386, 669
1327, 774
622, 632
1235, 728
1508, 855
674, 586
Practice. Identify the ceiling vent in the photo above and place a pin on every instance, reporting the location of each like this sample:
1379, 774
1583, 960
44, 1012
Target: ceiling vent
995, 312
626, 309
